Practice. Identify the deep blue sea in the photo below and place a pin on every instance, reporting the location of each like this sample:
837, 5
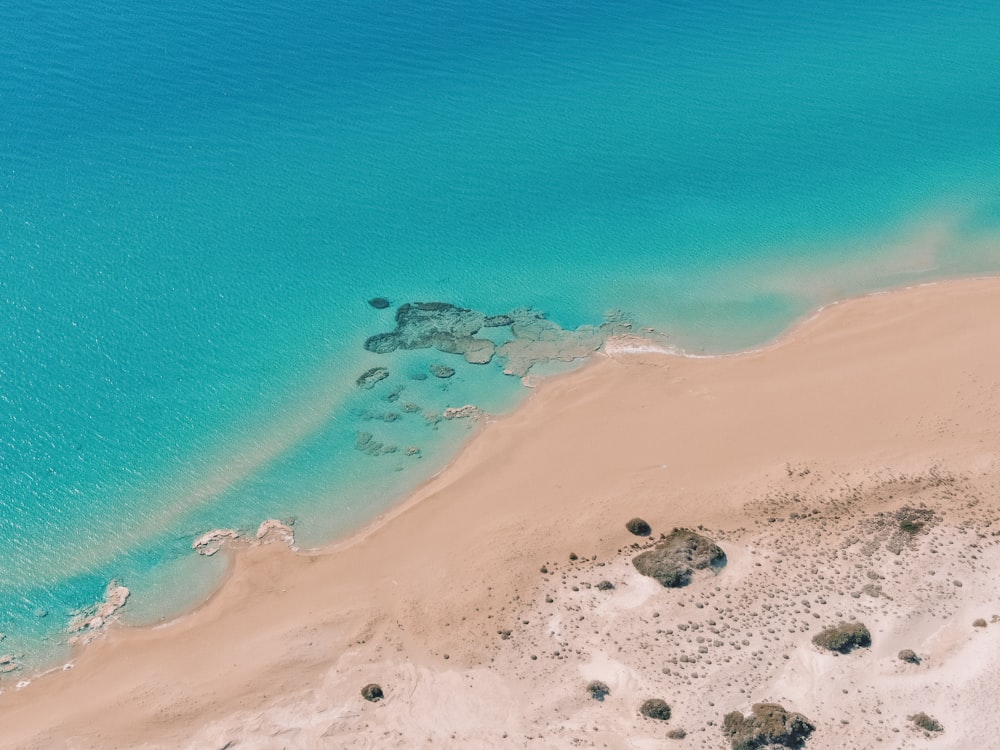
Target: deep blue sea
198, 199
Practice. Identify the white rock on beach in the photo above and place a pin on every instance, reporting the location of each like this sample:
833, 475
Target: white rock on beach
211, 541
273, 530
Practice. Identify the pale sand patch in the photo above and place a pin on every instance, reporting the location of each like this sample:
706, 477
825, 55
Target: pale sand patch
835, 423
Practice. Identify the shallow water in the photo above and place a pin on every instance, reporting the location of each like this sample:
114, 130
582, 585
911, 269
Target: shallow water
196, 203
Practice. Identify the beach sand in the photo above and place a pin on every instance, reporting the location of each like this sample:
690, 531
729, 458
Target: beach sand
849, 471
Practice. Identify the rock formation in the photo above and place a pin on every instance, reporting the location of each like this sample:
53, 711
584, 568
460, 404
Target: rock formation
673, 560
598, 690
844, 638
768, 724
638, 527
369, 378
655, 708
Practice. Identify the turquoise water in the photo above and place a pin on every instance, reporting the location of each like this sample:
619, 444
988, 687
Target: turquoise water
196, 201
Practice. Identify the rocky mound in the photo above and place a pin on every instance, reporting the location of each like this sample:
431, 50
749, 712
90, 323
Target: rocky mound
767, 724
639, 527
372, 692
598, 690
909, 655
655, 708
369, 378
927, 723
673, 560
844, 638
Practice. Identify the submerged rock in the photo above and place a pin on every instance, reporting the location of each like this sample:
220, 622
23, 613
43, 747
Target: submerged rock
674, 560
768, 724
441, 371
844, 638
426, 325
452, 330
379, 303
369, 378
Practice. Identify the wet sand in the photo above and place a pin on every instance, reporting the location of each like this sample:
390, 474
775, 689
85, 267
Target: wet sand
804, 461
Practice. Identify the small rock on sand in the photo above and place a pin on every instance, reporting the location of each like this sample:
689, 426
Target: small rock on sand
844, 638
639, 527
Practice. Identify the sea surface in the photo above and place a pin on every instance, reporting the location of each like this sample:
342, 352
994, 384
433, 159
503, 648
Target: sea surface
197, 201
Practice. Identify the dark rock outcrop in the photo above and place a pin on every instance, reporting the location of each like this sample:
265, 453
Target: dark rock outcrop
598, 690
639, 527
655, 708
372, 692
927, 723
674, 560
768, 724
844, 638
369, 378
909, 656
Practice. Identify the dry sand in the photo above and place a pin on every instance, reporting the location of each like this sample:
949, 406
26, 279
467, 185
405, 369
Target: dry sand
800, 460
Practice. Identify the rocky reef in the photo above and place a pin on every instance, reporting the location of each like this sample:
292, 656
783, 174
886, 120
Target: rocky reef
531, 338
89, 623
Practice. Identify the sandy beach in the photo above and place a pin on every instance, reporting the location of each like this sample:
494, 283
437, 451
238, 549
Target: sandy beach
849, 471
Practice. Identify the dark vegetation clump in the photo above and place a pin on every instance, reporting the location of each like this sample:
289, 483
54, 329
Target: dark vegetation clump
844, 638
639, 527
605, 586
909, 656
768, 724
655, 708
372, 692
676, 734
598, 690
927, 723
673, 560
980, 623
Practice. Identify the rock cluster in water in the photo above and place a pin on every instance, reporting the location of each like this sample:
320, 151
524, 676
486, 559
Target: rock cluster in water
268, 532
450, 329
88, 623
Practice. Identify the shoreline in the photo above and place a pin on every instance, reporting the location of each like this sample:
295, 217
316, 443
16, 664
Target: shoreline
496, 436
